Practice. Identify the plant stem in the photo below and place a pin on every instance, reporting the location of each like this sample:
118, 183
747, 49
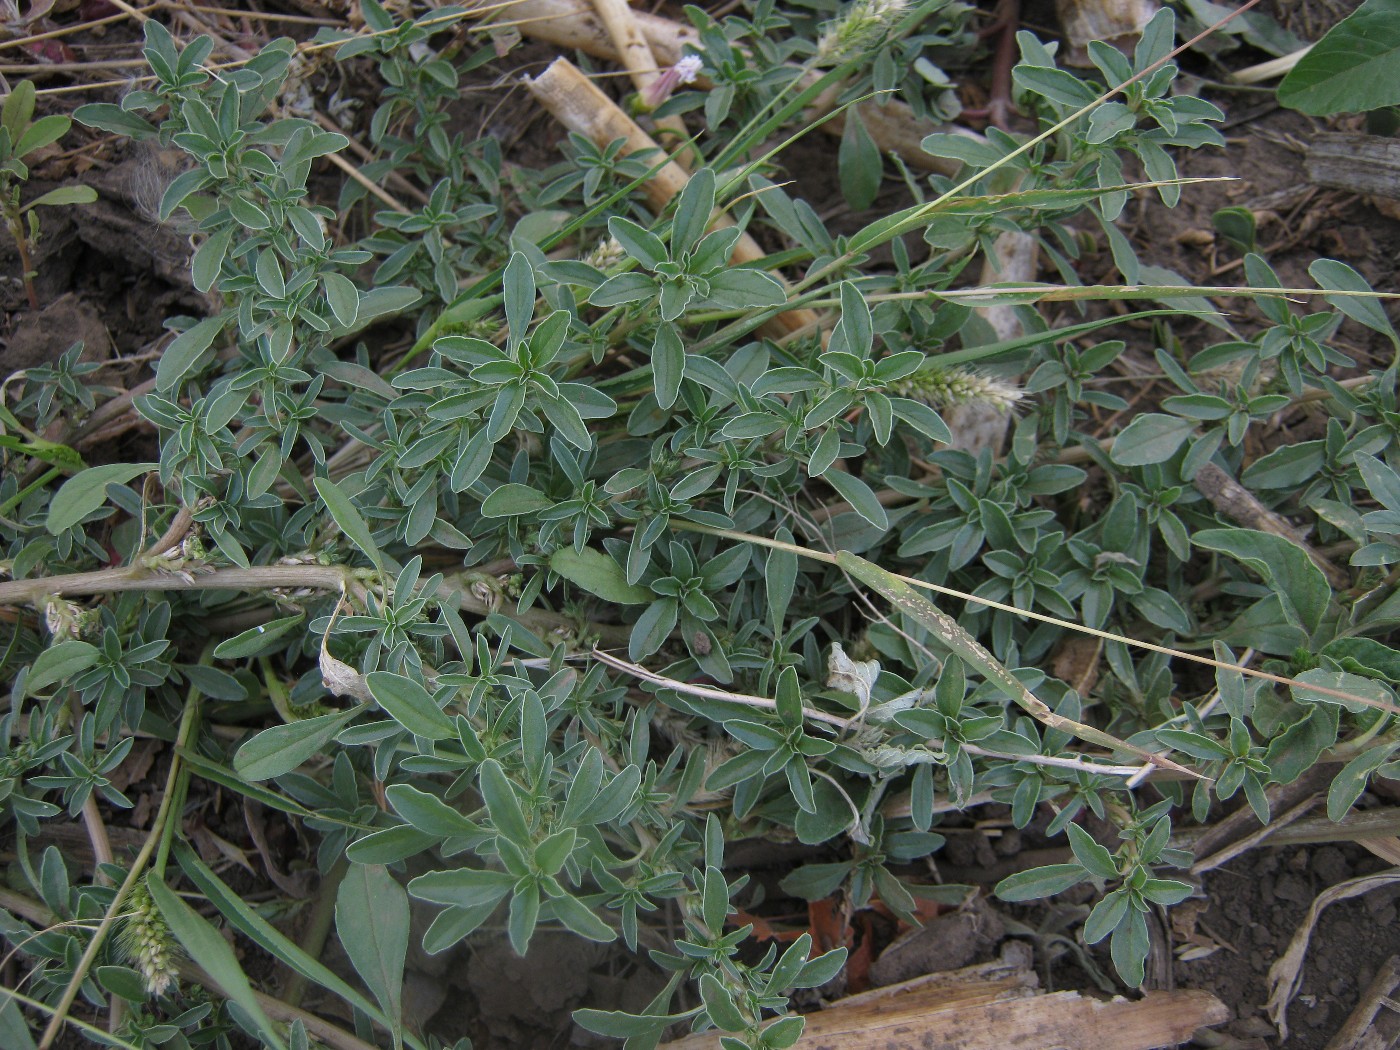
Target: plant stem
1069, 625
26, 267
99, 937
262, 577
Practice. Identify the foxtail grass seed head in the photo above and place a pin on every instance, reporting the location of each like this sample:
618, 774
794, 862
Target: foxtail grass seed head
148, 942
946, 387
863, 26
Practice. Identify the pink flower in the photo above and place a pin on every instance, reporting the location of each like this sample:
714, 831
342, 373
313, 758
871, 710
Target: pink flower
683, 72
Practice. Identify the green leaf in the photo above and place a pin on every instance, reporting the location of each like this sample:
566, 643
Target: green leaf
207, 948
518, 283
503, 803
1150, 438
1354, 68
14, 1030
1300, 584
262, 933
597, 573
859, 495
462, 887
620, 1025
1095, 858
1106, 916
44, 132
180, 357
372, 921
854, 332
815, 882
349, 520
382, 302
390, 845
1331, 274
652, 628
58, 662
858, 163
85, 491
719, 1004
510, 500
579, 918
410, 705
1353, 777
64, 195
693, 208
1378, 693
1035, 883
107, 116
667, 364
18, 108
256, 641
281, 749
639, 243
209, 259
1057, 85
427, 812
1129, 946
342, 297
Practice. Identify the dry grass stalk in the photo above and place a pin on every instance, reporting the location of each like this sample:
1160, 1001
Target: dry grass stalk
1286, 975
976, 1010
574, 100
369, 184
1362, 1030
570, 23
634, 53
1014, 259
1247, 843
1116, 22
1236, 502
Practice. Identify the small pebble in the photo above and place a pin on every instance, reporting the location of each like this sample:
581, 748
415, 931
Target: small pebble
1329, 865
1292, 888
1317, 1016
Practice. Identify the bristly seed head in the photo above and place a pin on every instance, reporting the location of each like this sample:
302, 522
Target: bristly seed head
946, 387
148, 942
862, 27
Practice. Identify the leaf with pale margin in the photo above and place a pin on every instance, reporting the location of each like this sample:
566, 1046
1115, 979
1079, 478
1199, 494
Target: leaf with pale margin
371, 918
85, 491
58, 662
281, 749
212, 952
597, 573
350, 521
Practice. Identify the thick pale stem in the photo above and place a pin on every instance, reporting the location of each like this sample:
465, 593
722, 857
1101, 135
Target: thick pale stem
569, 23
576, 103
635, 55
633, 51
